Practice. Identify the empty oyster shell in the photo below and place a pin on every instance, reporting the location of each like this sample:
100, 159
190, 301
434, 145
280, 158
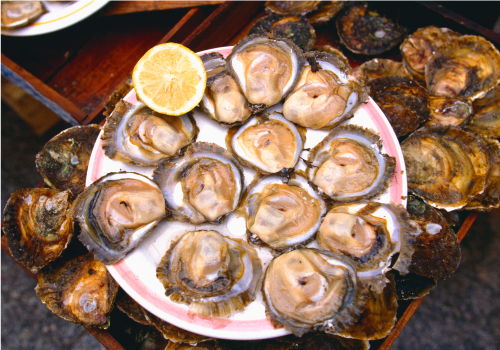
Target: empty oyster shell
267, 143
137, 135
116, 212
215, 275
282, 212
64, 159
37, 225
365, 31
324, 96
404, 102
223, 100
486, 118
348, 164
306, 289
80, 290
265, 69
469, 68
21, 13
204, 185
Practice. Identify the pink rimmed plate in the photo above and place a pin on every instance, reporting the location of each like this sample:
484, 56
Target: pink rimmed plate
136, 273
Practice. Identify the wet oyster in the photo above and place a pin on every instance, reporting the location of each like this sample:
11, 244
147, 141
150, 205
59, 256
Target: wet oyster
404, 102
214, 275
292, 7
446, 166
267, 143
266, 69
325, 12
137, 135
324, 95
377, 68
282, 213
79, 290
63, 161
468, 68
486, 119
116, 212
203, 186
21, 13
339, 55
293, 27
307, 290
348, 164
365, 31
418, 47
37, 225
448, 111
223, 100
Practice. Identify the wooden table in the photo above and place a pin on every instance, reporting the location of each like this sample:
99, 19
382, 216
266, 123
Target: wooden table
75, 70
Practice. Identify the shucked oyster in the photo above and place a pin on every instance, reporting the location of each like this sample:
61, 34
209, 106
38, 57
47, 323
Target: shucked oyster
135, 134
215, 275
37, 225
348, 164
282, 213
307, 289
80, 290
203, 186
21, 13
116, 212
324, 95
265, 69
267, 143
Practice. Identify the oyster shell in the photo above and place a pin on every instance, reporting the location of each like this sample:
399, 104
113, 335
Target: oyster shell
215, 275
306, 290
469, 68
448, 111
17, 14
324, 96
116, 212
204, 185
404, 102
486, 118
348, 164
377, 68
364, 31
282, 212
37, 225
265, 69
418, 47
291, 7
79, 290
64, 159
137, 135
267, 143
412, 286
223, 100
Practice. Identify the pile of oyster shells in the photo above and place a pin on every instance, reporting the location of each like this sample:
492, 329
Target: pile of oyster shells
340, 258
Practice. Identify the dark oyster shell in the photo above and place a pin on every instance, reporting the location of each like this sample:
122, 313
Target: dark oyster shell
377, 68
486, 118
449, 111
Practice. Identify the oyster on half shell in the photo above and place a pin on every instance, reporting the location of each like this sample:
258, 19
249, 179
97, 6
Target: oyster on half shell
17, 14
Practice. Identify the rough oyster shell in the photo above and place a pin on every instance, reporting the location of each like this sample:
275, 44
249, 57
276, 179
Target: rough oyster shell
448, 111
21, 13
348, 164
282, 212
116, 212
486, 118
137, 135
79, 290
64, 159
37, 225
215, 275
324, 96
267, 143
205, 185
377, 68
266, 69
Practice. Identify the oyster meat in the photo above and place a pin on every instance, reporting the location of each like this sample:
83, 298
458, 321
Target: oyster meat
137, 135
215, 275
116, 212
80, 290
348, 164
324, 95
267, 143
37, 225
17, 14
282, 213
265, 69
203, 186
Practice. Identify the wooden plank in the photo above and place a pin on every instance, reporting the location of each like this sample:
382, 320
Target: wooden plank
124, 7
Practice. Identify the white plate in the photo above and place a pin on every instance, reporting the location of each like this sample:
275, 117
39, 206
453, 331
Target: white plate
136, 273
60, 14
